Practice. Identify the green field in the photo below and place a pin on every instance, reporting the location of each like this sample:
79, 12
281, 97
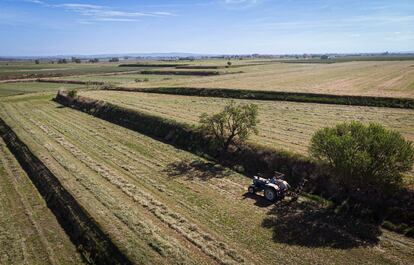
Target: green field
21, 70
9, 89
130, 79
164, 205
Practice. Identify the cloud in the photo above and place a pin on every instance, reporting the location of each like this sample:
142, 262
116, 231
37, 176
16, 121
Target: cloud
240, 3
100, 13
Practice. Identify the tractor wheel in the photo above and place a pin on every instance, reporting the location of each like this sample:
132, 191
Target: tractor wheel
270, 194
251, 190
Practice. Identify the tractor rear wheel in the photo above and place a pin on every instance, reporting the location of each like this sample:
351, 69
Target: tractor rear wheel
270, 194
251, 190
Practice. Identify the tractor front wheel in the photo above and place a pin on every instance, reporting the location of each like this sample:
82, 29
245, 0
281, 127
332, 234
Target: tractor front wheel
270, 194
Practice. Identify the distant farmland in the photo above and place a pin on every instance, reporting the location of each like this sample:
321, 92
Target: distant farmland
9, 89
377, 78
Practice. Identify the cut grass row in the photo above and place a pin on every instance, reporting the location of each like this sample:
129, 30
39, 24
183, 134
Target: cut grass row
163, 205
29, 232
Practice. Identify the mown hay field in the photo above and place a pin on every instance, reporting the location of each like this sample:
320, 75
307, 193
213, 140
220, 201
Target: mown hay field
283, 125
162, 205
18, 88
28, 69
124, 79
375, 78
29, 232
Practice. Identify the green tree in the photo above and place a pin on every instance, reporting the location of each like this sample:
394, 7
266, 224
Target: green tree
363, 157
234, 124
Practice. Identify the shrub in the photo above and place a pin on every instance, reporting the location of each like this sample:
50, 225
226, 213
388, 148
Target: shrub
234, 124
72, 93
363, 157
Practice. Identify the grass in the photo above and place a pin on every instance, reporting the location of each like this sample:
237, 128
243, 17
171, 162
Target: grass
163, 205
20, 70
29, 232
9, 89
129, 79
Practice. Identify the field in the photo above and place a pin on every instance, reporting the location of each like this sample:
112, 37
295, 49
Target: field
21, 70
377, 78
284, 125
29, 232
163, 205
9, 89
129, 79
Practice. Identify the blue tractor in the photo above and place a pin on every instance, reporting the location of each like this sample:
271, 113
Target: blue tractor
274, 188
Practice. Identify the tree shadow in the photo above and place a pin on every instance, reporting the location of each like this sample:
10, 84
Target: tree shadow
308, 224
197, 169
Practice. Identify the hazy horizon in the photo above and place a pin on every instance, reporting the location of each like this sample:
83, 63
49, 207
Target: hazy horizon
67, 27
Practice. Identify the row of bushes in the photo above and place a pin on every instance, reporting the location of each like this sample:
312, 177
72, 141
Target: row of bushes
251, 159
172, 72
215, 66
282, 96
149, 65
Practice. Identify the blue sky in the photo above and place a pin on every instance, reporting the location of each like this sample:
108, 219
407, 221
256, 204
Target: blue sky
51, 27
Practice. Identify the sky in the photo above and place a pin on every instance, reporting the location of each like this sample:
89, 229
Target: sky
65, 27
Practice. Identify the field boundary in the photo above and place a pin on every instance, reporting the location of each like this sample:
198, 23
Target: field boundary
369, 101
193, 73
94, 245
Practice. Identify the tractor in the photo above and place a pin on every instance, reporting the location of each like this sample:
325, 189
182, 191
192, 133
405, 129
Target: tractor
274, 188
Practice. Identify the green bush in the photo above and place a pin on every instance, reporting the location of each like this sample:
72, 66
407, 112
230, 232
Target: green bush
72, 93
363, 157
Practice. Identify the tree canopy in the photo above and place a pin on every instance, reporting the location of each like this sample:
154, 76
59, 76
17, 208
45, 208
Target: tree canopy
234, 124
363, 157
